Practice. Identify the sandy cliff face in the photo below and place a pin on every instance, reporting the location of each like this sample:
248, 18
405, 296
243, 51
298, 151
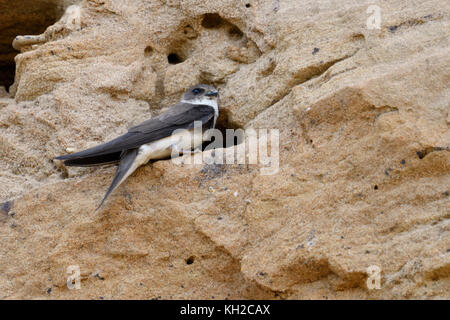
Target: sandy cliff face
364, 173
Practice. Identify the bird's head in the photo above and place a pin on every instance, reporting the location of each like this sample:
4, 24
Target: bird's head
201, 93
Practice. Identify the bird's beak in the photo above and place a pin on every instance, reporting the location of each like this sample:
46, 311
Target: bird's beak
212, 94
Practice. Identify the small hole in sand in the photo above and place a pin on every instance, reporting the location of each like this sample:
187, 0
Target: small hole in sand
212, 20
173, 58
234, 32
148, 51
190, 260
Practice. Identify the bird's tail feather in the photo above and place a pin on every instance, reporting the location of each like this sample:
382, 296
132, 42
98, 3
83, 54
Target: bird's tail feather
123, 171
94, 160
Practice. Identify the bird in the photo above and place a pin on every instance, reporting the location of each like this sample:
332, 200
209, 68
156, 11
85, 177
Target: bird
154, 139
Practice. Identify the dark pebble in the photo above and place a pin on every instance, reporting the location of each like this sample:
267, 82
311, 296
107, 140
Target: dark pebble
6, 207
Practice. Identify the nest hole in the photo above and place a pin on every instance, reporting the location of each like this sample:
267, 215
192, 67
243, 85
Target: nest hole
148, 51
190, 260
174, 58
232, 135
31, 17
235, 32
212, 20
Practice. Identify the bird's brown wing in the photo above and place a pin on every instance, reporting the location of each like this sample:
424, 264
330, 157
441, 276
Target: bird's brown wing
180, 116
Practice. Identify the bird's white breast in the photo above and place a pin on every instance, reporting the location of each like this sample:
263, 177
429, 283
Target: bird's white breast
162, 148
185, 140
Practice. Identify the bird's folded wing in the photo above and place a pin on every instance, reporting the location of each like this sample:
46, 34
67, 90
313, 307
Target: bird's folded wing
180, 116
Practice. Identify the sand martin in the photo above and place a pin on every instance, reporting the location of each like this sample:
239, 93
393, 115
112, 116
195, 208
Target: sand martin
153, 139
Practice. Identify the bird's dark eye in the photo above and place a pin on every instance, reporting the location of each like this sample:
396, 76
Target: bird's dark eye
197, 91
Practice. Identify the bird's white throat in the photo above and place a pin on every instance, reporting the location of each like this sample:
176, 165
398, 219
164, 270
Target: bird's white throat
205, 101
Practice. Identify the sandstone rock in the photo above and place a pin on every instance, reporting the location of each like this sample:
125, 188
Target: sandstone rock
364, 153
27, 16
